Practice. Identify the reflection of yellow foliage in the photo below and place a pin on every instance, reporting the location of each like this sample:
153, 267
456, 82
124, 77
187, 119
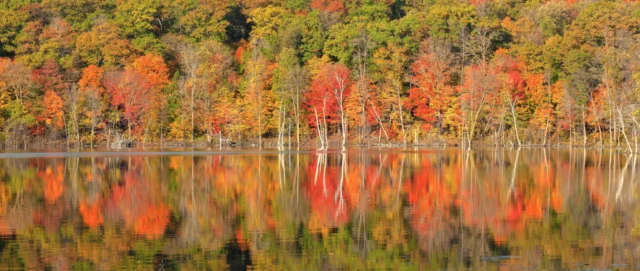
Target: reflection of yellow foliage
635, 231
103, 252
176, 162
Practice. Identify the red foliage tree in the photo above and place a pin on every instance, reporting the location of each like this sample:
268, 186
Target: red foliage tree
49, 77
131, 93
321, 98
330, 6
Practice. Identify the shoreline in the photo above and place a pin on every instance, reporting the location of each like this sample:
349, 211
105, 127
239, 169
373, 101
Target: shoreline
272, 146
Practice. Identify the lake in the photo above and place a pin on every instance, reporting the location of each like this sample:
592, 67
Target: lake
405, 209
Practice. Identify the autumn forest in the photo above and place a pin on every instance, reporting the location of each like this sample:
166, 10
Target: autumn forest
319, 72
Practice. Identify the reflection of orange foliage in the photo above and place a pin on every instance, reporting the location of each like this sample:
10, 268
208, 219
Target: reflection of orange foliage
153, 222
4, 228
134, 200
240, 239
176, 162
5, 197
53, 186
431, 199
527, 202
91, 214
594, 186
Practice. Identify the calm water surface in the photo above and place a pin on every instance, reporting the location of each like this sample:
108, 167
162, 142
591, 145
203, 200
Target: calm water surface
428, 209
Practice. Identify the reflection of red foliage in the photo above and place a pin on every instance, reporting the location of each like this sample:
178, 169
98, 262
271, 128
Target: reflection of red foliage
152, 222
431, 199
325, 208
91, 214
134, 201
240, 239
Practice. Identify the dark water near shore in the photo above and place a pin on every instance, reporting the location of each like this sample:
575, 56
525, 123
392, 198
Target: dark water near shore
405, 209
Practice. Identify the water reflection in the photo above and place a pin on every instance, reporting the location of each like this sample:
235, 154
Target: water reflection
402, 209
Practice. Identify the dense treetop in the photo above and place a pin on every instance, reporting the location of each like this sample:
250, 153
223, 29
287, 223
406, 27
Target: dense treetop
404, 71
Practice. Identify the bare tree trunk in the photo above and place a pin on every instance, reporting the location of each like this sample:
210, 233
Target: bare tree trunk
298, 117
319, 127
515, 121
475, 119
379, 120
624, 133
599, 134
326, 127
584, 129
339, 95
570, 134
404, 133
281, 127
546, 130
193, 127
259, 118
93, 128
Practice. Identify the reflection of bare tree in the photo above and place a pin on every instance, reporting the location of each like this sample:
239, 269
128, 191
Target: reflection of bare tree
191, 229
338, 196
282, 170
512, 185
398, 180
363, 201
622, 174
205, 216
633, 176
321, 163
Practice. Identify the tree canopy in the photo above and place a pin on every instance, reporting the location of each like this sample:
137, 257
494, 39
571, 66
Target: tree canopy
507, 72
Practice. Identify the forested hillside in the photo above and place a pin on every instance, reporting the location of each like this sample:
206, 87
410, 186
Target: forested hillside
319, 71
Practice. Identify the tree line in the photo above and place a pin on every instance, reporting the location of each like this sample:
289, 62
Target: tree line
296, 72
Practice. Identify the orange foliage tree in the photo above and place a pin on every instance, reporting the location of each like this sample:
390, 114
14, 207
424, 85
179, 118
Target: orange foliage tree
49, 76
432, 93
136, 90
93, 96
